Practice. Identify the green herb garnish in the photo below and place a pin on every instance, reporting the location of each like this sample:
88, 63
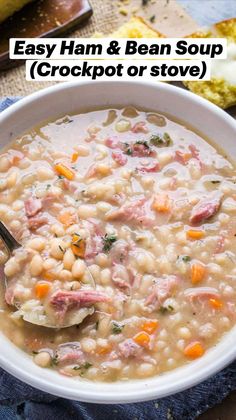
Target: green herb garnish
152, 19
61, 249
161, 140
108, 241
83, 368
143, 143
61, 177
165, 309
215, 181
127, 149
117, 328
184, 258
55, 360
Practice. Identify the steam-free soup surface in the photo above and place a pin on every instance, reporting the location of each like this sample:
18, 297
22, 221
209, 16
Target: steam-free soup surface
147, 207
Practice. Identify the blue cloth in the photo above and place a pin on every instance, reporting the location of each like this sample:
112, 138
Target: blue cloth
19, 401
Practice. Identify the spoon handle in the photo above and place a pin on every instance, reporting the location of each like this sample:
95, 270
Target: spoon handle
10, 242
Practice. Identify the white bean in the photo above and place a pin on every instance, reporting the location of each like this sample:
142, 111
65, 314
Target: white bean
78, 269
36, 265
42, 359
68, 259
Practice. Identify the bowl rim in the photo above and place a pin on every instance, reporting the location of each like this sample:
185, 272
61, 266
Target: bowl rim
120, 394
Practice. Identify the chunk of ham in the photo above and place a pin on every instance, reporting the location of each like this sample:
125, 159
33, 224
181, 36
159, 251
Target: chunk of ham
151, 167
37, 221
137, 211
205, 209
140, 150
63, 301
33, 206
162, 289
119, 158
113, 143
120, 276
69, 353
140, 127
129, 348
201, 293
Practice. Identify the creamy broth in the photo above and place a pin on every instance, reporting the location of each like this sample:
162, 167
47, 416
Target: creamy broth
146, 206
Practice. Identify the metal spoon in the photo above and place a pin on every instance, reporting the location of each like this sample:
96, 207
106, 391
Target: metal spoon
76, 316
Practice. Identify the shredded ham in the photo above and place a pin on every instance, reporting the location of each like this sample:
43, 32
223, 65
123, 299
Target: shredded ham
151, 167
119, 158
140, 127
162, 289
205, 209
129, 348
63, 301
69, 353
33, 206
137, 211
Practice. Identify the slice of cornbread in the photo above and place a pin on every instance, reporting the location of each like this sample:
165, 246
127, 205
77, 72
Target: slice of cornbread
8, 7
221, 89
136, 27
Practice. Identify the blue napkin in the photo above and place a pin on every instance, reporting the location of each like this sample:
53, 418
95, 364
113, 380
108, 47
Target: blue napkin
19, 401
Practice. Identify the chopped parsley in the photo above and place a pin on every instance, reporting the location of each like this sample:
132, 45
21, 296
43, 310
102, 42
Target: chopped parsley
127, 149
145, 2
48, 186
55, 360
83, 368
184, 258
108, 241
143, 143
152, 19
117, 328
61, 249
61, 177
165, 309
215, 181
161, 140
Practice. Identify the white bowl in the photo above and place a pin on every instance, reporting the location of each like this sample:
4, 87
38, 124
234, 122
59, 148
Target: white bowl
182, 105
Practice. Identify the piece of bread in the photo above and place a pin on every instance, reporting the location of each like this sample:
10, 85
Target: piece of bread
136, 27
219, 90
9, 7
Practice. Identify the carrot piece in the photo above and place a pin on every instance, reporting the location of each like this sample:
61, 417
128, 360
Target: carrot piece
216, 303
142, 338
194, 350
42, 289
78, 246
161, 203
104, 350
195, 234
63, 170
150, 326
74, 157
197, 273
68, 218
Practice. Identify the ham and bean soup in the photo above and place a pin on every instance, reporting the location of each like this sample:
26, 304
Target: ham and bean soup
143, 206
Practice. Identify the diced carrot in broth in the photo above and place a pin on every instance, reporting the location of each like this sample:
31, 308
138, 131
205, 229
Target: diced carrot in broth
197, 273
195, 234
104, 350
194, 350
78, 246
216, 303
150, 326
63, 170
161, 203
74, 157
42, 289
142, 338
